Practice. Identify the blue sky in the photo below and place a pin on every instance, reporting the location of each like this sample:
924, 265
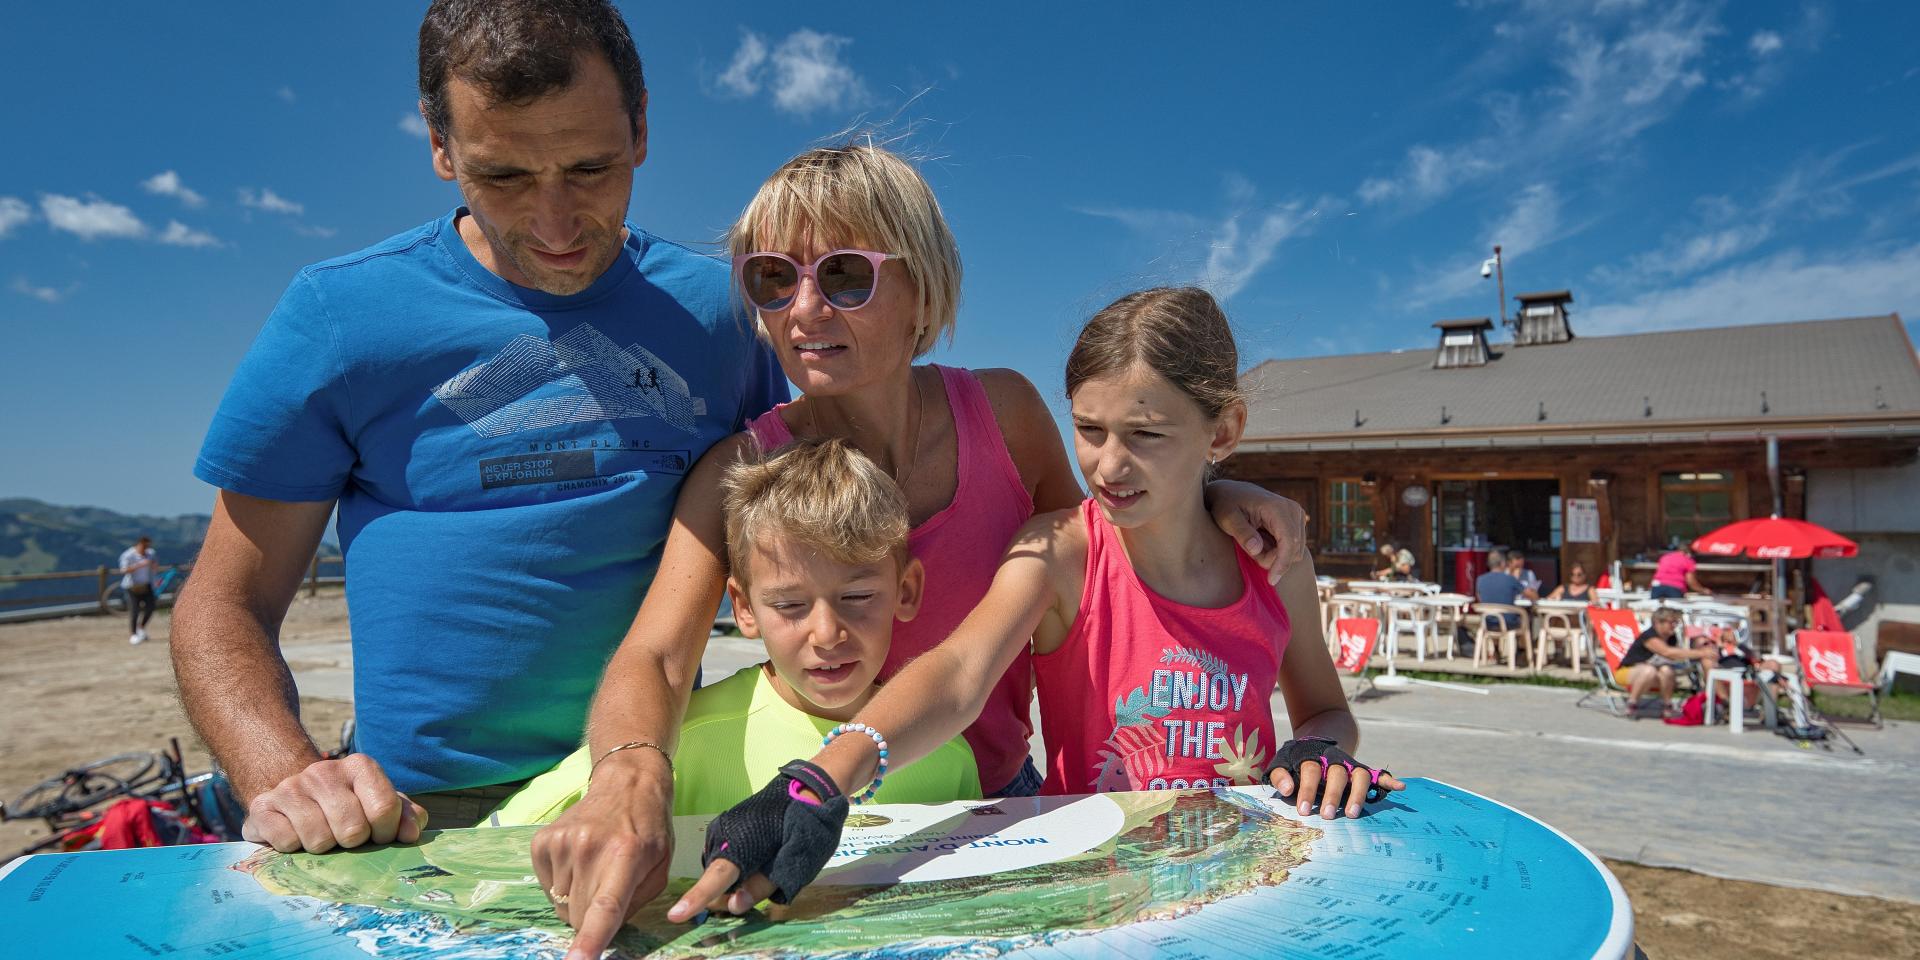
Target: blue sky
1336, 171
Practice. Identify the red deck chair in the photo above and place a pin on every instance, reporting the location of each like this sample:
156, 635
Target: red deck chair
1829, 664
1357, 637
1613, 635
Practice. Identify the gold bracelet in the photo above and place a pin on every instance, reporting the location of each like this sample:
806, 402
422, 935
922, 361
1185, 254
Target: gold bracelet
632, 745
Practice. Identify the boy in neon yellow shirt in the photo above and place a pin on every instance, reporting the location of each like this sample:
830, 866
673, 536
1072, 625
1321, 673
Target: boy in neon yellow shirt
817, 543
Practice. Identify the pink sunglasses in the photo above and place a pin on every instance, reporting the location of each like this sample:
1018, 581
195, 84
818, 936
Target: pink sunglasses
846, 279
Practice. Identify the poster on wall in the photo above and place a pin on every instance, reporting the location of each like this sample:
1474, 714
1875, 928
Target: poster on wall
1583, 520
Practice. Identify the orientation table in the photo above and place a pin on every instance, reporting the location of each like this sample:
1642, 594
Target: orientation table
1434, 872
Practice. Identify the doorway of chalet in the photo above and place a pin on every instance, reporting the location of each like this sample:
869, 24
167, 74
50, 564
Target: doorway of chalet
1471, 517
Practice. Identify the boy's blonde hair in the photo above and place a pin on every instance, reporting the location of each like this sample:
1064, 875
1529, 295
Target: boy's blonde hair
823, 494
868, 196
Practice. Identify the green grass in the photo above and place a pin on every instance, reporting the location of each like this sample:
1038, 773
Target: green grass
1489, 679
1893, 706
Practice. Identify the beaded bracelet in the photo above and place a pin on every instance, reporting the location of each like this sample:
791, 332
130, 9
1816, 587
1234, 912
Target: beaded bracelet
879, 740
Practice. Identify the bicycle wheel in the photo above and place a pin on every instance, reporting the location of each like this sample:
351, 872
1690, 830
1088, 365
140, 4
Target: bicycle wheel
83, 786
114, 598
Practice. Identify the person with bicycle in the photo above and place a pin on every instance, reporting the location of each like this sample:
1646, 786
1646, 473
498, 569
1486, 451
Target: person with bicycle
137, 567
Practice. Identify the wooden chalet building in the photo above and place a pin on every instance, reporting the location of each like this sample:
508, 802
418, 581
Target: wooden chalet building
1592, 449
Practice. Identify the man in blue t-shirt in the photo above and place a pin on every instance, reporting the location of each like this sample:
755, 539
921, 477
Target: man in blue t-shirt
503, 403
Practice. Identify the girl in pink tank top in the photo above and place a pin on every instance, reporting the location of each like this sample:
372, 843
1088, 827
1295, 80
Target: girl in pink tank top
1156, 643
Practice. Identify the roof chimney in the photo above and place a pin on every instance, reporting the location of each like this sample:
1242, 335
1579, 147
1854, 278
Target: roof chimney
1542, 318
1463, 343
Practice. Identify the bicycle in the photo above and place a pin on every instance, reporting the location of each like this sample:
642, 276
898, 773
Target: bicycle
114, 597
71, 803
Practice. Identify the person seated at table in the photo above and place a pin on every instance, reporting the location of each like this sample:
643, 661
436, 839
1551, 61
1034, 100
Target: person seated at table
1517, 565
817, 548
1652, 659
1396, 563
1576, 588
1675, 575
1499, 586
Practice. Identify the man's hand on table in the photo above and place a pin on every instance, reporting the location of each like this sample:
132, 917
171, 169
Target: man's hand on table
607, 856
333, 803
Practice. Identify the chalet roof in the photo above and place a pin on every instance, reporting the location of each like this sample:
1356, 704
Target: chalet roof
1853, 370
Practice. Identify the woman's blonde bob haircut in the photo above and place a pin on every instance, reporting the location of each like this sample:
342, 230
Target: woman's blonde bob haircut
860, 196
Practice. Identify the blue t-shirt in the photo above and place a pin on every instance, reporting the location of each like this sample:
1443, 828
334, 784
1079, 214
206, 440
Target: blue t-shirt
1498, 586
506, 463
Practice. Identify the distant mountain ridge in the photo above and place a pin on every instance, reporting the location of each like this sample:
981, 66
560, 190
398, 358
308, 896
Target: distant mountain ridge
41, 537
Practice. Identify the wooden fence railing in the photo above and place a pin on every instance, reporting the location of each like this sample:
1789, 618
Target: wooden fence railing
99, 584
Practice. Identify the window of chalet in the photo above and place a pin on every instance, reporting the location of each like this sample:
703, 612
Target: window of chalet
1692, 504
1349, 517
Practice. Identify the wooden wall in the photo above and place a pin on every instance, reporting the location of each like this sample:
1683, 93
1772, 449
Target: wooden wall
1624, 478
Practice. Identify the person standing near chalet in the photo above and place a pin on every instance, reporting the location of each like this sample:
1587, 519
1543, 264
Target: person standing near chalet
1675, 575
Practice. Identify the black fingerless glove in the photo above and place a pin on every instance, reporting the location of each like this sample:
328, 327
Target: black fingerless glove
1320, 750
779, 833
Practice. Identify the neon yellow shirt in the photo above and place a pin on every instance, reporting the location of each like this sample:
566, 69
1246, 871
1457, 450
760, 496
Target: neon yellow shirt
736, 735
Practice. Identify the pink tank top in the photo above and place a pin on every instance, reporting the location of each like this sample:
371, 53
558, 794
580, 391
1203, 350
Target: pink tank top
961, 547
1149, 694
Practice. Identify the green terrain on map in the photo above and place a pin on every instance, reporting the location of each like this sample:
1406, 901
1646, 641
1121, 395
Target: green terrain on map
1174, 853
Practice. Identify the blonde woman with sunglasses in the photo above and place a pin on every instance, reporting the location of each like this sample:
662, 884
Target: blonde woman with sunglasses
852, 274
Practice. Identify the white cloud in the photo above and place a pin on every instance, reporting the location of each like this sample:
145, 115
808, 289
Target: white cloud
178, 234
91, 219
1615, 78
1690, 255
740, 78
808, 74
285, 93
1238, 246
1786, 286
167, 184
414, 125
1233, 259
269, 201
13, 212
26, 288
310, 231
805, 73
1532, 222
1771, 52
1818, 188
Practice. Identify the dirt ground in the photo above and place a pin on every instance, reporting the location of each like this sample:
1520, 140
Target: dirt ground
74, 690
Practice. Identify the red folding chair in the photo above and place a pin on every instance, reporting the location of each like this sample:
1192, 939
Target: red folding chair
1613, 635
1356, 638
1829, 664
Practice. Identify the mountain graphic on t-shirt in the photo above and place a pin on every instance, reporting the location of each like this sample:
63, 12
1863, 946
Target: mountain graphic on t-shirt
581, 377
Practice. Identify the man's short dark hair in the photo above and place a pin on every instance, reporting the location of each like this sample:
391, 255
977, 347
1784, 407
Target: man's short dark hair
517, 51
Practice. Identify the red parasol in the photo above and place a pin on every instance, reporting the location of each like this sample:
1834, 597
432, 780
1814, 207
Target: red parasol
1775, 538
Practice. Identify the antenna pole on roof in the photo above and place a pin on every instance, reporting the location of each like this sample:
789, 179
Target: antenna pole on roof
1500, 268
